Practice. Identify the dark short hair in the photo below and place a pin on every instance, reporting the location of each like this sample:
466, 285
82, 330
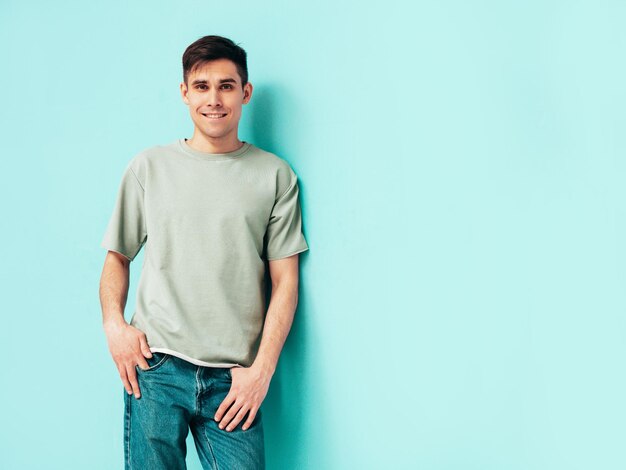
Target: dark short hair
210, 48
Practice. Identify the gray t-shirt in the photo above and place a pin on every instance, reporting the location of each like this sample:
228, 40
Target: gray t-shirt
208, 221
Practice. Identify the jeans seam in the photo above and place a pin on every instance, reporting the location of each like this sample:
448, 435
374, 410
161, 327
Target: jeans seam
128, 417
198, 390
210, 447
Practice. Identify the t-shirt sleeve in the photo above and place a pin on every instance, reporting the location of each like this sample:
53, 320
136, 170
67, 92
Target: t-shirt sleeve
284, 235
126, 232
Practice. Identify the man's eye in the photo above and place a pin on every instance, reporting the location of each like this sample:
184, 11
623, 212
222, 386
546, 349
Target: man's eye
229, 86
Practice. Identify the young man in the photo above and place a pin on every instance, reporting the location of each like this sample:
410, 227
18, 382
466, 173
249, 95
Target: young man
200, 350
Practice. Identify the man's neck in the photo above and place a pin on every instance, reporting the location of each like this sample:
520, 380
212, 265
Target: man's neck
203, 144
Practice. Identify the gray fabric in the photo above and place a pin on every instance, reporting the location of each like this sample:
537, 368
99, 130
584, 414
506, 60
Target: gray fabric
208, 223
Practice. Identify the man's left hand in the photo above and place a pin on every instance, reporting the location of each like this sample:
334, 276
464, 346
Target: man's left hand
247, 392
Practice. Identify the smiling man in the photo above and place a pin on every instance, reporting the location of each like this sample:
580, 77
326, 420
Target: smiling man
213, 213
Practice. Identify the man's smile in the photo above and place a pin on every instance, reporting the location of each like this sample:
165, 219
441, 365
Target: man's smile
214, 115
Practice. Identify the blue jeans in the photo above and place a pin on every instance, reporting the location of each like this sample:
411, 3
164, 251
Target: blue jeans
176, 396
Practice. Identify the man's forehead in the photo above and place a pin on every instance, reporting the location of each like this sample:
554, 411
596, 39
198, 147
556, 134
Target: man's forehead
217, 71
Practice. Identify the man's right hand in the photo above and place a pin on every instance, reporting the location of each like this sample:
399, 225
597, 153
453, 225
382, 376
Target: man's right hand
129, 347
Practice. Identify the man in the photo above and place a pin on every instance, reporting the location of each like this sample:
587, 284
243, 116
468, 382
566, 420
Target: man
200, 351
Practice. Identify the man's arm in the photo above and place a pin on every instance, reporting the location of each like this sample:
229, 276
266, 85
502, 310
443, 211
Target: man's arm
127, 344
114, 284
280, 313
250, 385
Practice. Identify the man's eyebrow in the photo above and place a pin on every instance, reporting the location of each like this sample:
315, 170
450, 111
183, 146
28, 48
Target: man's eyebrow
199, 81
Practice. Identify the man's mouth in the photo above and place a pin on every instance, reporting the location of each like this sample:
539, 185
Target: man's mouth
214, 115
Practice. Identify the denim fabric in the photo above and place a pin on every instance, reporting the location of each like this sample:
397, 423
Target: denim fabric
176, 396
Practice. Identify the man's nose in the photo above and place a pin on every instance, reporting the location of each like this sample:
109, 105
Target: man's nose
213, 98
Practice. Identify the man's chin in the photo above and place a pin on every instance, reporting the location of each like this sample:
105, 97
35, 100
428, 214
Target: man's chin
211, 134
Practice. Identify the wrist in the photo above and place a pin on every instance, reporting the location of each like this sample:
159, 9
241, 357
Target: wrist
114, 322
264, 366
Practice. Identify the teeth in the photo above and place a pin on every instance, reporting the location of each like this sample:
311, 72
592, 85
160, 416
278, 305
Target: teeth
215, 115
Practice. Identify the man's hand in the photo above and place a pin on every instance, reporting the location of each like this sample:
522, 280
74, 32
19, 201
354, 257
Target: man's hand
247, 392
128, 346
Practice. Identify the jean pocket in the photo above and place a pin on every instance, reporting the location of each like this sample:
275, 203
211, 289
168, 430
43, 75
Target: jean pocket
154, 362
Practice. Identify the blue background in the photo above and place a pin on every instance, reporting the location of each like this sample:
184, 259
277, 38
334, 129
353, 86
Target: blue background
461, 169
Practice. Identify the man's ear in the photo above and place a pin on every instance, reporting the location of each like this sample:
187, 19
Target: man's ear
247, 92
183, 92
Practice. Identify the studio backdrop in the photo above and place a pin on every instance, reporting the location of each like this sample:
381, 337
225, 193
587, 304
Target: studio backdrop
462, 180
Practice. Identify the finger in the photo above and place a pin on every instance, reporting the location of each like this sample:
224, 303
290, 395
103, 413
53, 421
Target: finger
127, 386
141, 362
250, 419
229, 415
132, 377
228, 400
233, 424
143, 344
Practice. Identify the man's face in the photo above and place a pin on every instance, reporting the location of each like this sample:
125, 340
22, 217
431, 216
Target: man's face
215, 97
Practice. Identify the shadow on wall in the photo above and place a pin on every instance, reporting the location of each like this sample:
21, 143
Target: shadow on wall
285, 414
273, 119
291, 399
260, 117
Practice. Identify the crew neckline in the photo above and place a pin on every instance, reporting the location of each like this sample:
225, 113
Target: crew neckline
184, 145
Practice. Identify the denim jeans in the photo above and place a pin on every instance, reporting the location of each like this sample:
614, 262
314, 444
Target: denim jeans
176, 396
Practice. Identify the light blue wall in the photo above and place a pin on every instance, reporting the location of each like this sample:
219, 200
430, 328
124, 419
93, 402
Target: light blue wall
462, 177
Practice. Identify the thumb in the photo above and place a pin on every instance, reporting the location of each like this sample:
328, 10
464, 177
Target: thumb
145, 349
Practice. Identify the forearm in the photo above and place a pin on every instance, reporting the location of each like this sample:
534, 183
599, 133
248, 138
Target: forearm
278, 321
114, 285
